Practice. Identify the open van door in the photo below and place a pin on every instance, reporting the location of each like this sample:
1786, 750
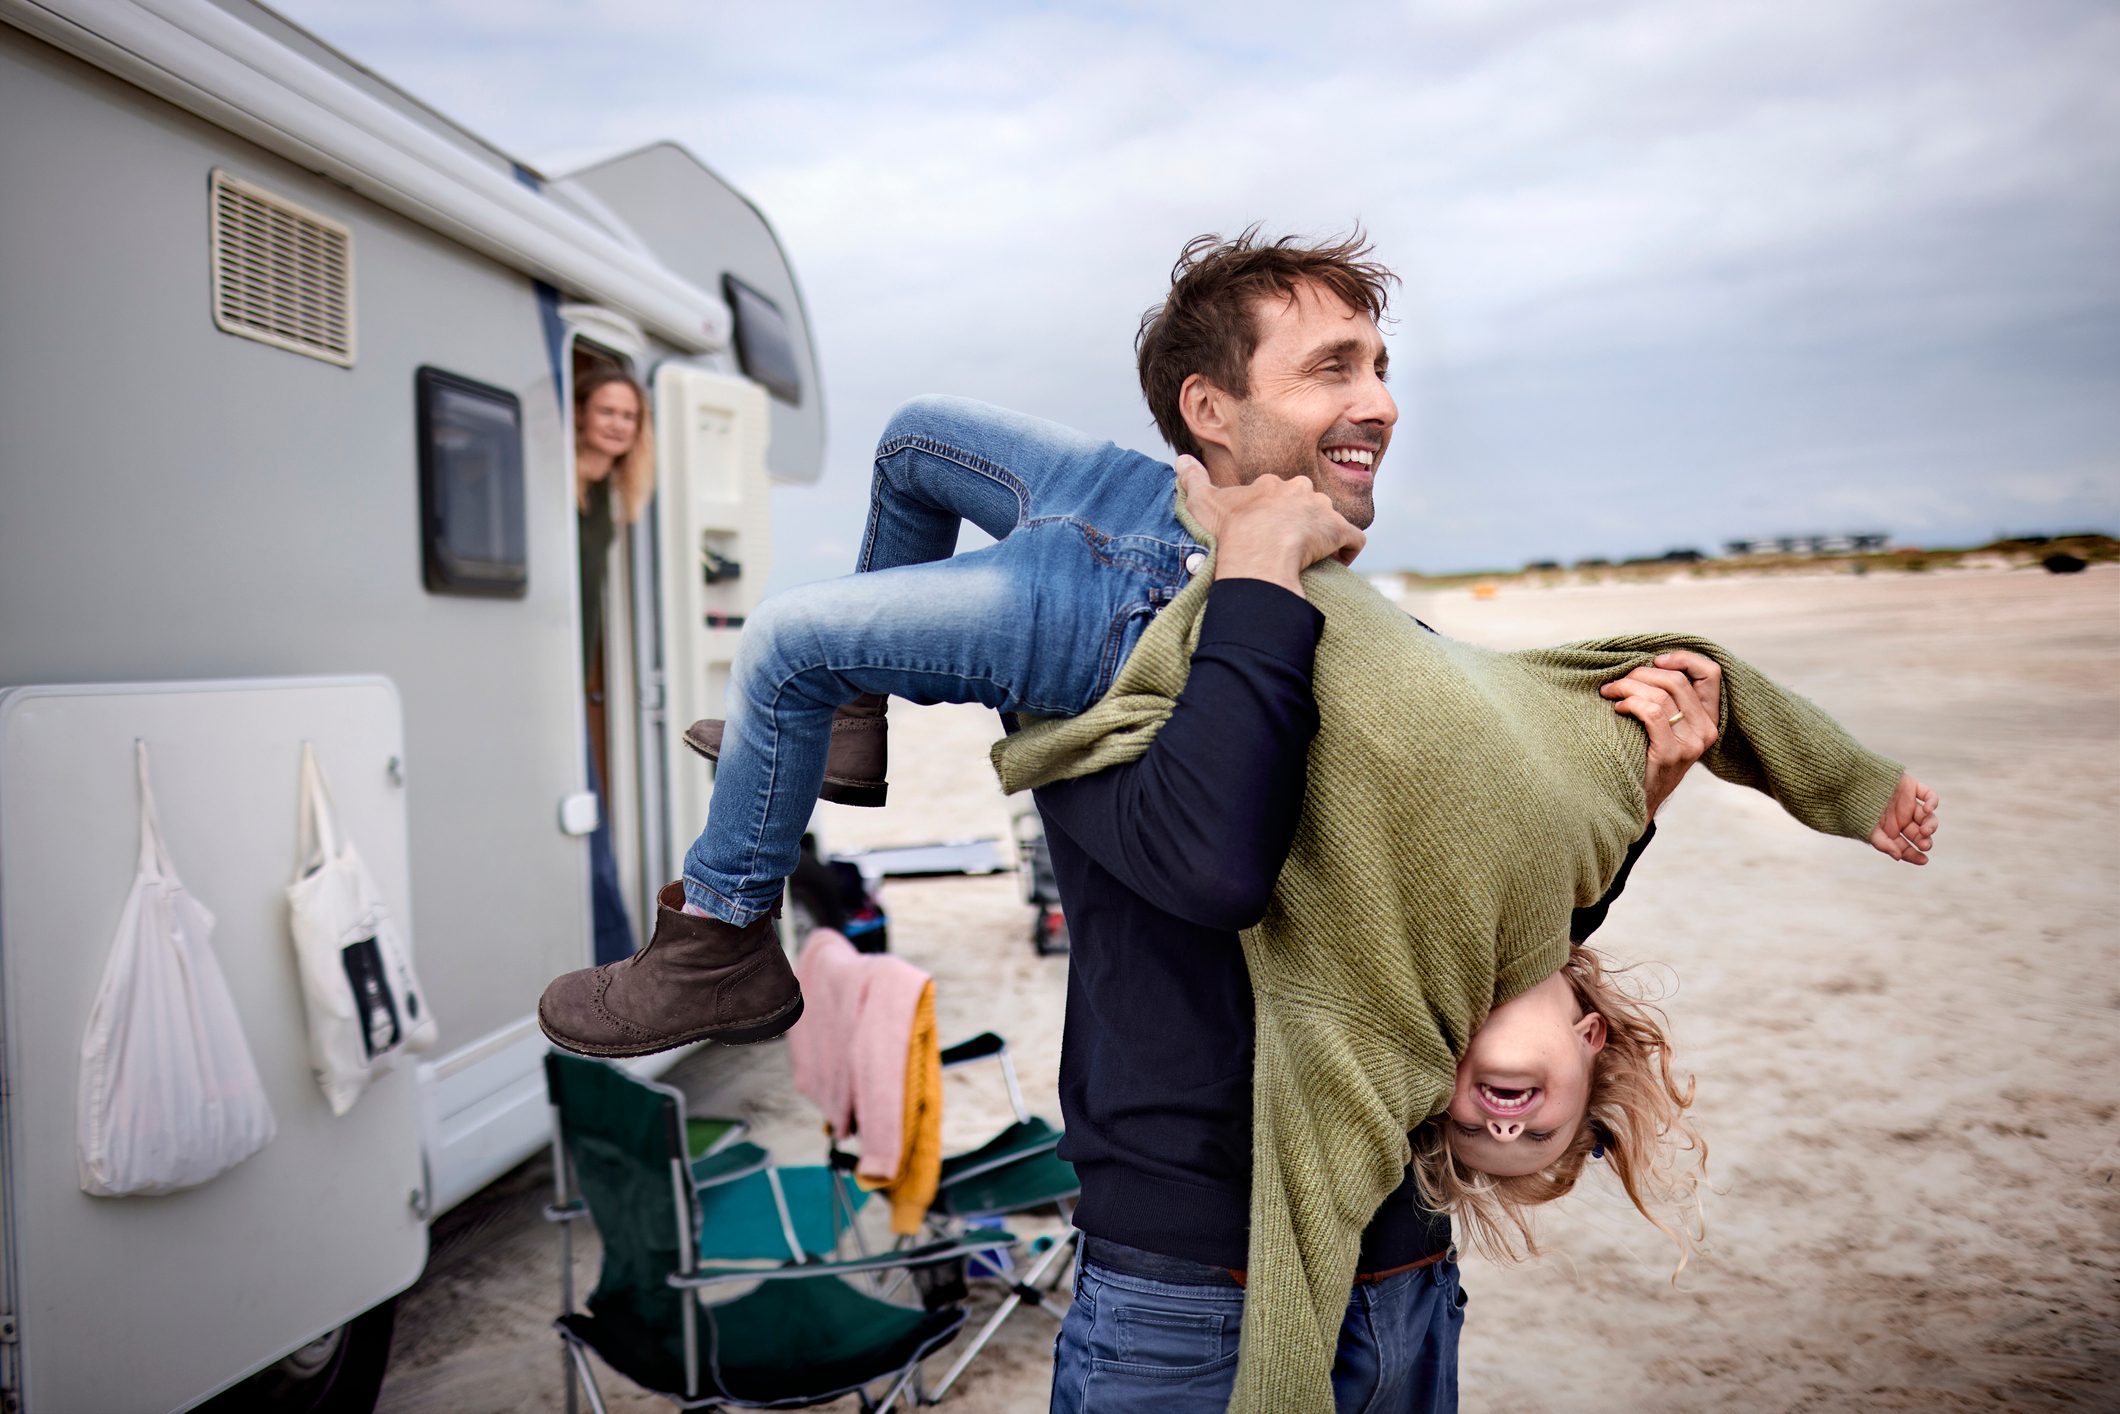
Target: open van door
714, 554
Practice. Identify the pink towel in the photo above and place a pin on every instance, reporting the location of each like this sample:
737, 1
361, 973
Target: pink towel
849, 1048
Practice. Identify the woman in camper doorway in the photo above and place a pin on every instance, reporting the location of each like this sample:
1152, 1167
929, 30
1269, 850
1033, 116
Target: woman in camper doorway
614, 474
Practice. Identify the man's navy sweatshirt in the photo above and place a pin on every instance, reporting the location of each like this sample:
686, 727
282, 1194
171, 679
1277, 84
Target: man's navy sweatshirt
1160, 863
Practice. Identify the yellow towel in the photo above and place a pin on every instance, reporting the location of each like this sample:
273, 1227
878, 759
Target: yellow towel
920, 1154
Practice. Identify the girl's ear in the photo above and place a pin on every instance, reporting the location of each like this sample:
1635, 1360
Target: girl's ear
1592, 1029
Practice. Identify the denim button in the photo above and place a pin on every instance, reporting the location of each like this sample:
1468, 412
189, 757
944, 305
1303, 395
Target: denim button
1194, 561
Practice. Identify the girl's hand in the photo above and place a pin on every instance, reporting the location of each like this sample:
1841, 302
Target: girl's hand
1907, 830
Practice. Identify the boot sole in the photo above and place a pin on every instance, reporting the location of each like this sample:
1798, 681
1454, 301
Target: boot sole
751, 1035
863, 793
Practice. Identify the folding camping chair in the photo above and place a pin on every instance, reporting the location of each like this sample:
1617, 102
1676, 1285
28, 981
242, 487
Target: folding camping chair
801, 1335
1014, 1172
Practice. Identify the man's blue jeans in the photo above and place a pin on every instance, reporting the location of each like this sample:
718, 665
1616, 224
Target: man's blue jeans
1132, 1345
1089, 549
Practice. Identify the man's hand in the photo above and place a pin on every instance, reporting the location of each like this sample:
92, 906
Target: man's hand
1272, 529
1678, 700
1907, 829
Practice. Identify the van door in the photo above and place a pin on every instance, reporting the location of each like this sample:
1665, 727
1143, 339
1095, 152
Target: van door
714, 547
599, 347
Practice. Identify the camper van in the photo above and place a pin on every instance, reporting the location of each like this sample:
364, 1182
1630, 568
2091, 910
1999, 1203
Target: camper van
287, 459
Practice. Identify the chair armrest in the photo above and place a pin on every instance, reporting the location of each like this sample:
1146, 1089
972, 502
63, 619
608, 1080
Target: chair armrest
985, 1046
984, 1239
729, 1164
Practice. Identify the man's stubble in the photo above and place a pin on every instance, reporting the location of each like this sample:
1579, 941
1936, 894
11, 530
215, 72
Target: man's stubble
1270, 446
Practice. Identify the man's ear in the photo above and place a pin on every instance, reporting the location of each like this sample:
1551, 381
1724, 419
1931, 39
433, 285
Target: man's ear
1210, 414
1592, 1029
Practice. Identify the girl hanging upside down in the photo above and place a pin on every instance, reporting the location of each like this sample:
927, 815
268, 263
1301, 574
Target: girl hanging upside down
1413, 973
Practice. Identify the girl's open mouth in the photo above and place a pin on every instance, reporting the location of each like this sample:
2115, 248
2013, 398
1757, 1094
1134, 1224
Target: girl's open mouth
1505, 1103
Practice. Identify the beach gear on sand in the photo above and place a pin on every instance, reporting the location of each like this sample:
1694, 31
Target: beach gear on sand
1461, 802
865, 1053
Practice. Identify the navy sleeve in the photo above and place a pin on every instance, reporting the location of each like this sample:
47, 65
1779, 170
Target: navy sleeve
1199, 826
1589, 920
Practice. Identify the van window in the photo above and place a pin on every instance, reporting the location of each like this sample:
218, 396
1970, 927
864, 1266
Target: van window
471, 487
765, 346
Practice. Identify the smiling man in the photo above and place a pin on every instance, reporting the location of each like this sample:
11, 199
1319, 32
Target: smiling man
1266, 363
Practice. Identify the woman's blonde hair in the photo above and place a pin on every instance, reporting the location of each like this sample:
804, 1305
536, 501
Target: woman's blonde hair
632, 475
1636, 1119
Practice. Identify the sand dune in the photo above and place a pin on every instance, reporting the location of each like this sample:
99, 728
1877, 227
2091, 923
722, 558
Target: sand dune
1910, 1079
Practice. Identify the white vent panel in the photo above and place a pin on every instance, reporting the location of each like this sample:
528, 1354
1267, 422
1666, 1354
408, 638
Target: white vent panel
282, 275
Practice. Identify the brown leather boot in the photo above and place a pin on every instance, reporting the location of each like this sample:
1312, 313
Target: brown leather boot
698, 979
854, 764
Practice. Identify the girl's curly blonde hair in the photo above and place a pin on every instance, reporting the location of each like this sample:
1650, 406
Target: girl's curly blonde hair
1636, 1116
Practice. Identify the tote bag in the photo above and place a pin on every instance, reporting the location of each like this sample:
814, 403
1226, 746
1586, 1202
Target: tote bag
363, 1001
169, 1095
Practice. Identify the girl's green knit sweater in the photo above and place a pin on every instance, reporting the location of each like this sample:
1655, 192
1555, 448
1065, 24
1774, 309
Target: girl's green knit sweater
1461, 803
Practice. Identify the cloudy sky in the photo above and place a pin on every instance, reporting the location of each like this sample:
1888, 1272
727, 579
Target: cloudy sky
1674, 272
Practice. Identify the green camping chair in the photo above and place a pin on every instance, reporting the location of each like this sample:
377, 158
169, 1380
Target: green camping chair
801, 1334
1014, 1172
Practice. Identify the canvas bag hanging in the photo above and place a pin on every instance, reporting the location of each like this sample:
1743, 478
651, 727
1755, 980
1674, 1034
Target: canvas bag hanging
169, 1095
364, 1003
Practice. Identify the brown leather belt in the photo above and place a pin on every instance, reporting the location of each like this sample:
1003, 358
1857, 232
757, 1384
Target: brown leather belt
1119, 1258
1372, 1278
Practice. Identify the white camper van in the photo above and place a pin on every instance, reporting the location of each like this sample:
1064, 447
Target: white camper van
286, 457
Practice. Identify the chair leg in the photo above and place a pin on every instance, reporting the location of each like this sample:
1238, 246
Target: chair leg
579, 1359
1025, 1288
898, 1387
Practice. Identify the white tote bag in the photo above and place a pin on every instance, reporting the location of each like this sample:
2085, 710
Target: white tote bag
364, 1003
169, 1094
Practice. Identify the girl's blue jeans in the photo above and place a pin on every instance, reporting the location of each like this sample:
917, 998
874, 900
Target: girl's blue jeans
1088, 549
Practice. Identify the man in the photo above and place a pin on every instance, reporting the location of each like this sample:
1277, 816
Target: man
1265, 359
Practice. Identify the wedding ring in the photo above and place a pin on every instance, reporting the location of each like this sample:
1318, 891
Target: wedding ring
1674, 719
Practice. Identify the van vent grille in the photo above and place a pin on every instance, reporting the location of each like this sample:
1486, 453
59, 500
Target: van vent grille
281, 275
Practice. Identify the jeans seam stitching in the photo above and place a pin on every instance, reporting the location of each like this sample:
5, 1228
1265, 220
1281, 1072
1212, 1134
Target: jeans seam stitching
1108, 666
1098, 543
970, 461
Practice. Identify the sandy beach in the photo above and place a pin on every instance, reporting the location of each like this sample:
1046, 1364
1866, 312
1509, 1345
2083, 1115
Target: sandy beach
1909, 1079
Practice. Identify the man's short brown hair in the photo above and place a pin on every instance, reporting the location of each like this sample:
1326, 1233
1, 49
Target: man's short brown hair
1205, 325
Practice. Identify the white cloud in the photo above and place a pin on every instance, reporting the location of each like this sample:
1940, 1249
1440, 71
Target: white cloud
1831, 207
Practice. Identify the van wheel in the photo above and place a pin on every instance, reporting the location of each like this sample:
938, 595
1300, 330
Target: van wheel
340, 1372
